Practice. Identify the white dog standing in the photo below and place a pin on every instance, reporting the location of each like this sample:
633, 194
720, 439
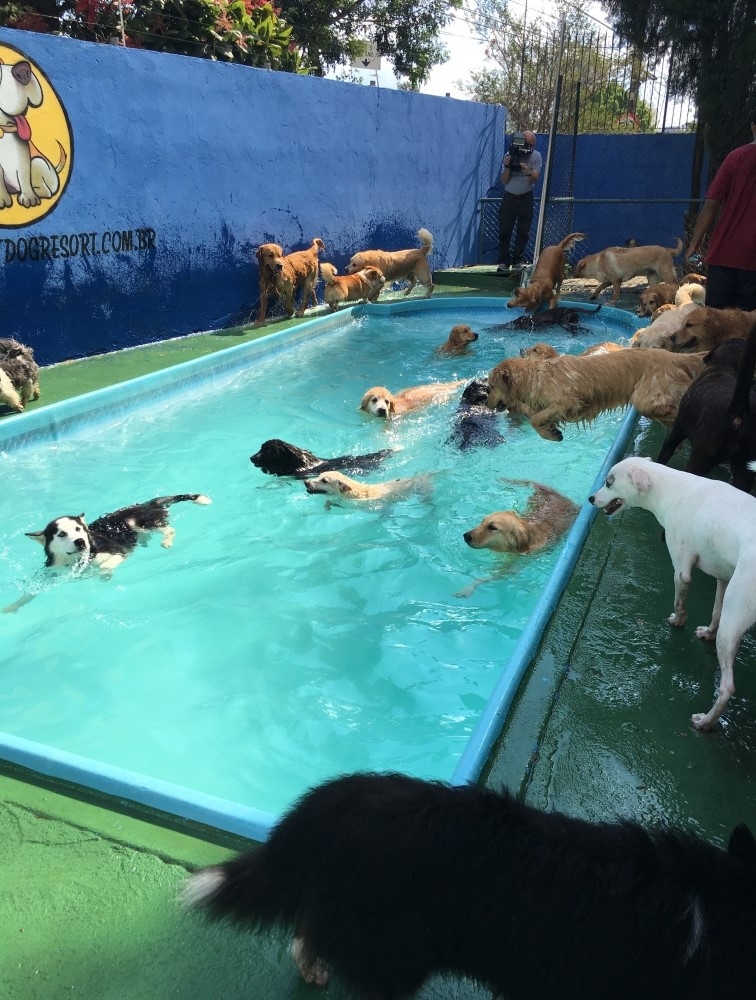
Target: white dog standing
708, 524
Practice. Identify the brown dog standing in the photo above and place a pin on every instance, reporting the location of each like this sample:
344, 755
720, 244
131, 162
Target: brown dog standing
547, 277
285, 276
362, 285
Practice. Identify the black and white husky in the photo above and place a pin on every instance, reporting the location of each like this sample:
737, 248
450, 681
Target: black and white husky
107, 541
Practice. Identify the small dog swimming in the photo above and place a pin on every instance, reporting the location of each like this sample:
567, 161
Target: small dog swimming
385, 880
279, 458
336, 484
107, 541
565, 316
474, 424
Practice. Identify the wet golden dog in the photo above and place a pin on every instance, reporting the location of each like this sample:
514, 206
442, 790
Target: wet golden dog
656, 295
399, 265
336, 484
547, 277
460, 338
574, 389
690, 291
287, 275
381, 402
705, 328
362, 285
617, 264
545, 351
547, 516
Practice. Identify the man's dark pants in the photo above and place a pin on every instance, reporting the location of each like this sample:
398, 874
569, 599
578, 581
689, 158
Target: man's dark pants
730, 288
515, 209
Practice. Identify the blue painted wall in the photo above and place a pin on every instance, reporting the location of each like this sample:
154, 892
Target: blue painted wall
201, 162
215, 160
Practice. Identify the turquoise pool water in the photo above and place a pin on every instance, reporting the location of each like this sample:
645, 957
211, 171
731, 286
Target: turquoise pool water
282, 640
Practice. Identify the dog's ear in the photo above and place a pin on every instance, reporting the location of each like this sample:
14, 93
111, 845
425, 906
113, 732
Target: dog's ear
258, 253
519, 535
640, 480
36, 536
392, 407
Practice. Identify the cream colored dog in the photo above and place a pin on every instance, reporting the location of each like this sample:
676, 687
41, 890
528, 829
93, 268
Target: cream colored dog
399, 265
660, 331
336, 484
381, 402
575, 389
617, 264
364, 285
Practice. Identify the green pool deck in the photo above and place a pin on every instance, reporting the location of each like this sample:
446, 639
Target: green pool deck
600, 728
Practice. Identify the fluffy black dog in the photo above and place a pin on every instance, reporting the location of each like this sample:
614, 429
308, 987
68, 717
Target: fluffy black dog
566, 316
474, 423
386, 880
717, 414
279, 458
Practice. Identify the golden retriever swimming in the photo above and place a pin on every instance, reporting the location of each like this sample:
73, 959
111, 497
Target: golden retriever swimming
362, 285
336, 484
617, 264
399, 265
286, 275
547, 277
381, 402
706, 328
574, 389
459, 340
547, 516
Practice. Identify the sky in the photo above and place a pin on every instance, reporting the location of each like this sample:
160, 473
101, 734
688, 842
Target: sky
466, 52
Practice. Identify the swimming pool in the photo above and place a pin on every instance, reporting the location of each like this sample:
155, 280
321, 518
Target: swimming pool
281, 641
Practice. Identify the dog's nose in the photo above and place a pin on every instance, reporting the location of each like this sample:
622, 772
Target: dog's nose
22, 72
592, 499
382, 411
79, 543
467, 536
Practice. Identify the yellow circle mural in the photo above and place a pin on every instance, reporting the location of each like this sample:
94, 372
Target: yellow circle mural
36, 145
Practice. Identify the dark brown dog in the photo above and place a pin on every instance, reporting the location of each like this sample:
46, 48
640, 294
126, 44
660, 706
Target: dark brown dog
718, 414
547, 277
286, 276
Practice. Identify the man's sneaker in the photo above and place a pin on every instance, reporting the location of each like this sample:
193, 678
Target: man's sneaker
503, 269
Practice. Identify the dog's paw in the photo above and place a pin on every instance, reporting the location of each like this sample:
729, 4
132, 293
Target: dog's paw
706, 633
699, 722
677, 620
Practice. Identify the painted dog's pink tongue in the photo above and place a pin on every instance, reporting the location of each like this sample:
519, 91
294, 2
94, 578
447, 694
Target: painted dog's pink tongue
22, 126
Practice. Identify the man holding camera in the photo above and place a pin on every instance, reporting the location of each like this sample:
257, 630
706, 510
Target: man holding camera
520, 171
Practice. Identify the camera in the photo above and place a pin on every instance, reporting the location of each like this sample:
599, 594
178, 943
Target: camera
518, 148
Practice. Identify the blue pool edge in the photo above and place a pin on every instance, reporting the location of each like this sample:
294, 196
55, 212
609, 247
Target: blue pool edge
222, 814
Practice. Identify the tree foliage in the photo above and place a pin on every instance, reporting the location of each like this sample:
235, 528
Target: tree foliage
299, 36
713, 47
527, 65
251, 32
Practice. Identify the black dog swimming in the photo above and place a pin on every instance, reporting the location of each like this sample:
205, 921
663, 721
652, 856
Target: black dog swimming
279, 458
565, 316
386, 880
717, 413
474, 424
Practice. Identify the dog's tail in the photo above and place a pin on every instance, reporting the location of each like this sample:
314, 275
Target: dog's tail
740, 405
245, 890
328, 272
182, 498
426, 239
678, 247
569, 241
318, 244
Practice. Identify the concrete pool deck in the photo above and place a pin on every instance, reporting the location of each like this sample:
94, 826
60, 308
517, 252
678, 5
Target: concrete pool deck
600, 728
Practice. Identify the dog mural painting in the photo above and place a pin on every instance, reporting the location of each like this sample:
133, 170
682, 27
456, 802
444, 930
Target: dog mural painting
36, 148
